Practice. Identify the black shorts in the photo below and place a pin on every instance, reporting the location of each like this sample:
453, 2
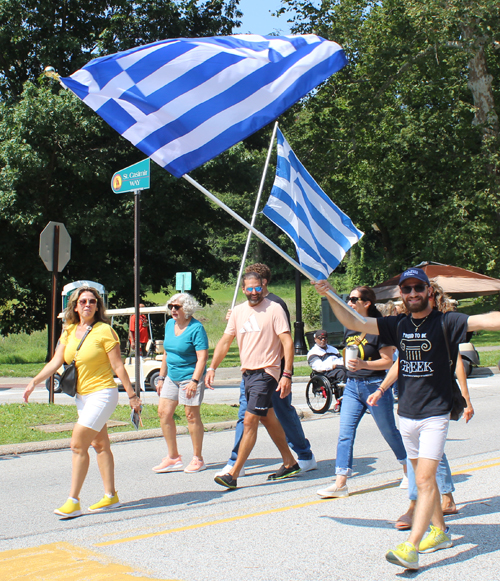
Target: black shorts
259, 389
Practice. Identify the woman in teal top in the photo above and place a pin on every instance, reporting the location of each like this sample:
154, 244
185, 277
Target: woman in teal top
185, 356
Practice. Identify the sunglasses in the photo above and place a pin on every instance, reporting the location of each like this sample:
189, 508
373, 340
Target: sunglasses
250, 289
176, 307
353, 300
84, 302
321, 337
418, 288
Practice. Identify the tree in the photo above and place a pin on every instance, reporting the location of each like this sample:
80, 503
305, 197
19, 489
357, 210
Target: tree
405, 139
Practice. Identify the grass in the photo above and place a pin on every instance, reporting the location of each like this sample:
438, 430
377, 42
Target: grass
489, 358
17, 420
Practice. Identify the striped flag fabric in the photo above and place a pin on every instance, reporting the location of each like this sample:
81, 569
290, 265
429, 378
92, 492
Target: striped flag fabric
183, 101
321, 232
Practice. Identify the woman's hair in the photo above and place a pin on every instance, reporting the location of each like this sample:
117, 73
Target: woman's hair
387, 309
442, 301
188, 302
71, 317
367, 294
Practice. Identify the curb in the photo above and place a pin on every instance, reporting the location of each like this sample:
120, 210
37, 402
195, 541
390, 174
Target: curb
64, 443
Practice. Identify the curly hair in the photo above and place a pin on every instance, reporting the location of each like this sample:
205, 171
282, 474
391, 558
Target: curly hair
368, 294
188, 302
262, 269
442, 301
71, 317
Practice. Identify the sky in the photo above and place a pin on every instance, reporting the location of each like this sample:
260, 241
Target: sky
257, 17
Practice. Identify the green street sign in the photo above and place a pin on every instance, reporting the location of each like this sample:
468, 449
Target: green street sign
183, 281
134, 177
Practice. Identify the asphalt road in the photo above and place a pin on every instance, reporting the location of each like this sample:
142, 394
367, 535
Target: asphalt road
186, 527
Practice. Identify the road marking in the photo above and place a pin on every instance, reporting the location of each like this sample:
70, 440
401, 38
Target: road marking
63, 561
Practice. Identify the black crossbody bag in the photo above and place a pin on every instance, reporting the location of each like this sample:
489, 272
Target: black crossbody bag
458, 400
69, 378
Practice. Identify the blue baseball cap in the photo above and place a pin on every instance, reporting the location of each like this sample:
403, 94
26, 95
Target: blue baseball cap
414, 273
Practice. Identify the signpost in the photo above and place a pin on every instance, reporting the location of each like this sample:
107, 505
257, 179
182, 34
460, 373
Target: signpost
134, 179
55, 251
183, 281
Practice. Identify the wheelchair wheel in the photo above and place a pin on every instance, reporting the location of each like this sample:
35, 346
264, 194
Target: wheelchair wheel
319, 394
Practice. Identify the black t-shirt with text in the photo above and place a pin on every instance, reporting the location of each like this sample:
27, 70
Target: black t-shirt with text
425, 377
368, 350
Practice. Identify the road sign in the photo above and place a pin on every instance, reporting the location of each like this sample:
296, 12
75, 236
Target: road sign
46, 250
134, 177
183, 281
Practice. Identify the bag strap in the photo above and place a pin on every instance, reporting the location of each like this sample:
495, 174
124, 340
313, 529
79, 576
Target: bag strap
443, 326
89, 328
359, 338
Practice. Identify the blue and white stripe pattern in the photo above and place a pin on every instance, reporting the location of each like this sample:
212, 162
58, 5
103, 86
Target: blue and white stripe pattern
183, 101
321, 232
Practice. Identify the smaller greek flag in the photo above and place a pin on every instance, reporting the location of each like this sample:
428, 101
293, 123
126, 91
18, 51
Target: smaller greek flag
321, 232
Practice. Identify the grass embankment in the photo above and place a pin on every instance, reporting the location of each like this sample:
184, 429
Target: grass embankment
17, 421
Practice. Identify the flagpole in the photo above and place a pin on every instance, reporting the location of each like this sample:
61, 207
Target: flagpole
266, 240
255, 210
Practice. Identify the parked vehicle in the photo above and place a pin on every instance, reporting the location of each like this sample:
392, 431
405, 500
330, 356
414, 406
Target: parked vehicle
470, 357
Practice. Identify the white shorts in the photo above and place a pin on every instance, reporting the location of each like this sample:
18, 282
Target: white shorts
95, 409
174, 390
424, 438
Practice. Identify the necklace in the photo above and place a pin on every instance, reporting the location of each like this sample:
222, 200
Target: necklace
417, 327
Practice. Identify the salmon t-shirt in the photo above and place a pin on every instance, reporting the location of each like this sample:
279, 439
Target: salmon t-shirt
257, 331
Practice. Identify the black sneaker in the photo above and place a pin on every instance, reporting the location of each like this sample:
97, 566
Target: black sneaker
226, 480
283, 472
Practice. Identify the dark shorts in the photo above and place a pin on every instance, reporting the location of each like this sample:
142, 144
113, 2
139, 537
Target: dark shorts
259, 389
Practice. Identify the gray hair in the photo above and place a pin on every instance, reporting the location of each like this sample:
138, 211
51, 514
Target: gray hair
188, 302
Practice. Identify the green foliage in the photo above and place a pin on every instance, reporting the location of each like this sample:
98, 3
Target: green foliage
311, 309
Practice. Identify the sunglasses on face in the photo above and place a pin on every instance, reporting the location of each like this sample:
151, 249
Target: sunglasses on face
250, 289
353, 300
321, 337
418, 288
176, 307
84, 302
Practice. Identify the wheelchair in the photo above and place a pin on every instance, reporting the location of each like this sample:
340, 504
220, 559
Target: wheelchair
320, 391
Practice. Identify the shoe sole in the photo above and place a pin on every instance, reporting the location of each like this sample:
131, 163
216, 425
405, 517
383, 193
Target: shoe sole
111, 506
169, 469
395, 560
193, 471
443, 545
219, 480
71, 515
325, 494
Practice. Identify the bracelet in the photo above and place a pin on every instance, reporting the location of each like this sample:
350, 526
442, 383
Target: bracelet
211, 369
287, 375
381, 390
290, 371
195, 380
160, 378
132, 396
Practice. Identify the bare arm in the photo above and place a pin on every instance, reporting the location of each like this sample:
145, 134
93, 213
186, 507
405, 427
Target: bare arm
220, 352
462, 382
116, 363
389, 379
486, 322
285, 383
201, 361
343, 315
49, 369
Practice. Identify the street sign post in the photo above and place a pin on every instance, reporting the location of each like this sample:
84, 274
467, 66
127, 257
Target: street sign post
55, 251
134, 179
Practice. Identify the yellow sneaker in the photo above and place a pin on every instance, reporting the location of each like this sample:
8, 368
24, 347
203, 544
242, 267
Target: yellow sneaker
404, 555
105, 503
69, 509
435, 540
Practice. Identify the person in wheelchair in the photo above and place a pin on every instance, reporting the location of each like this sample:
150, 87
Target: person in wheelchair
326, 360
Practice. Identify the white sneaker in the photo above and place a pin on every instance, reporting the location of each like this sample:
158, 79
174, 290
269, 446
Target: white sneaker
227, 468
404, 482
333, 492
306, 465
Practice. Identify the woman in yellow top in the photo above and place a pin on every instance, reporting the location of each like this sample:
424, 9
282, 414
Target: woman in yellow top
97, 393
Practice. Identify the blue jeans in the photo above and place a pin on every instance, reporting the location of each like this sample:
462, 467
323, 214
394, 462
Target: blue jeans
288, 418
354, 405
444, 478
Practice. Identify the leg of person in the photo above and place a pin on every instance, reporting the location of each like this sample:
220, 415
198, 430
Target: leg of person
291, 424
350, 415
275, 430
238, 433
446, 487
106, 463
404, 521
383, 414
166, 409
196, 431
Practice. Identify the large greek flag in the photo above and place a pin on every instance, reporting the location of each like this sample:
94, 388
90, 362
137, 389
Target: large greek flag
321, 232
183, 101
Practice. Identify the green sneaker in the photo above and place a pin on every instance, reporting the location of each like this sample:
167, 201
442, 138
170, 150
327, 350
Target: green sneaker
435, 540
405, 555
69, 509
105, 503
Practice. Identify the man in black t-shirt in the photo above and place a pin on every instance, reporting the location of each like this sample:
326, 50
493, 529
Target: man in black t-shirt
425, 394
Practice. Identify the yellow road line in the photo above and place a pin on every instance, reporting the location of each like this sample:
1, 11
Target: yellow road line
267, 512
